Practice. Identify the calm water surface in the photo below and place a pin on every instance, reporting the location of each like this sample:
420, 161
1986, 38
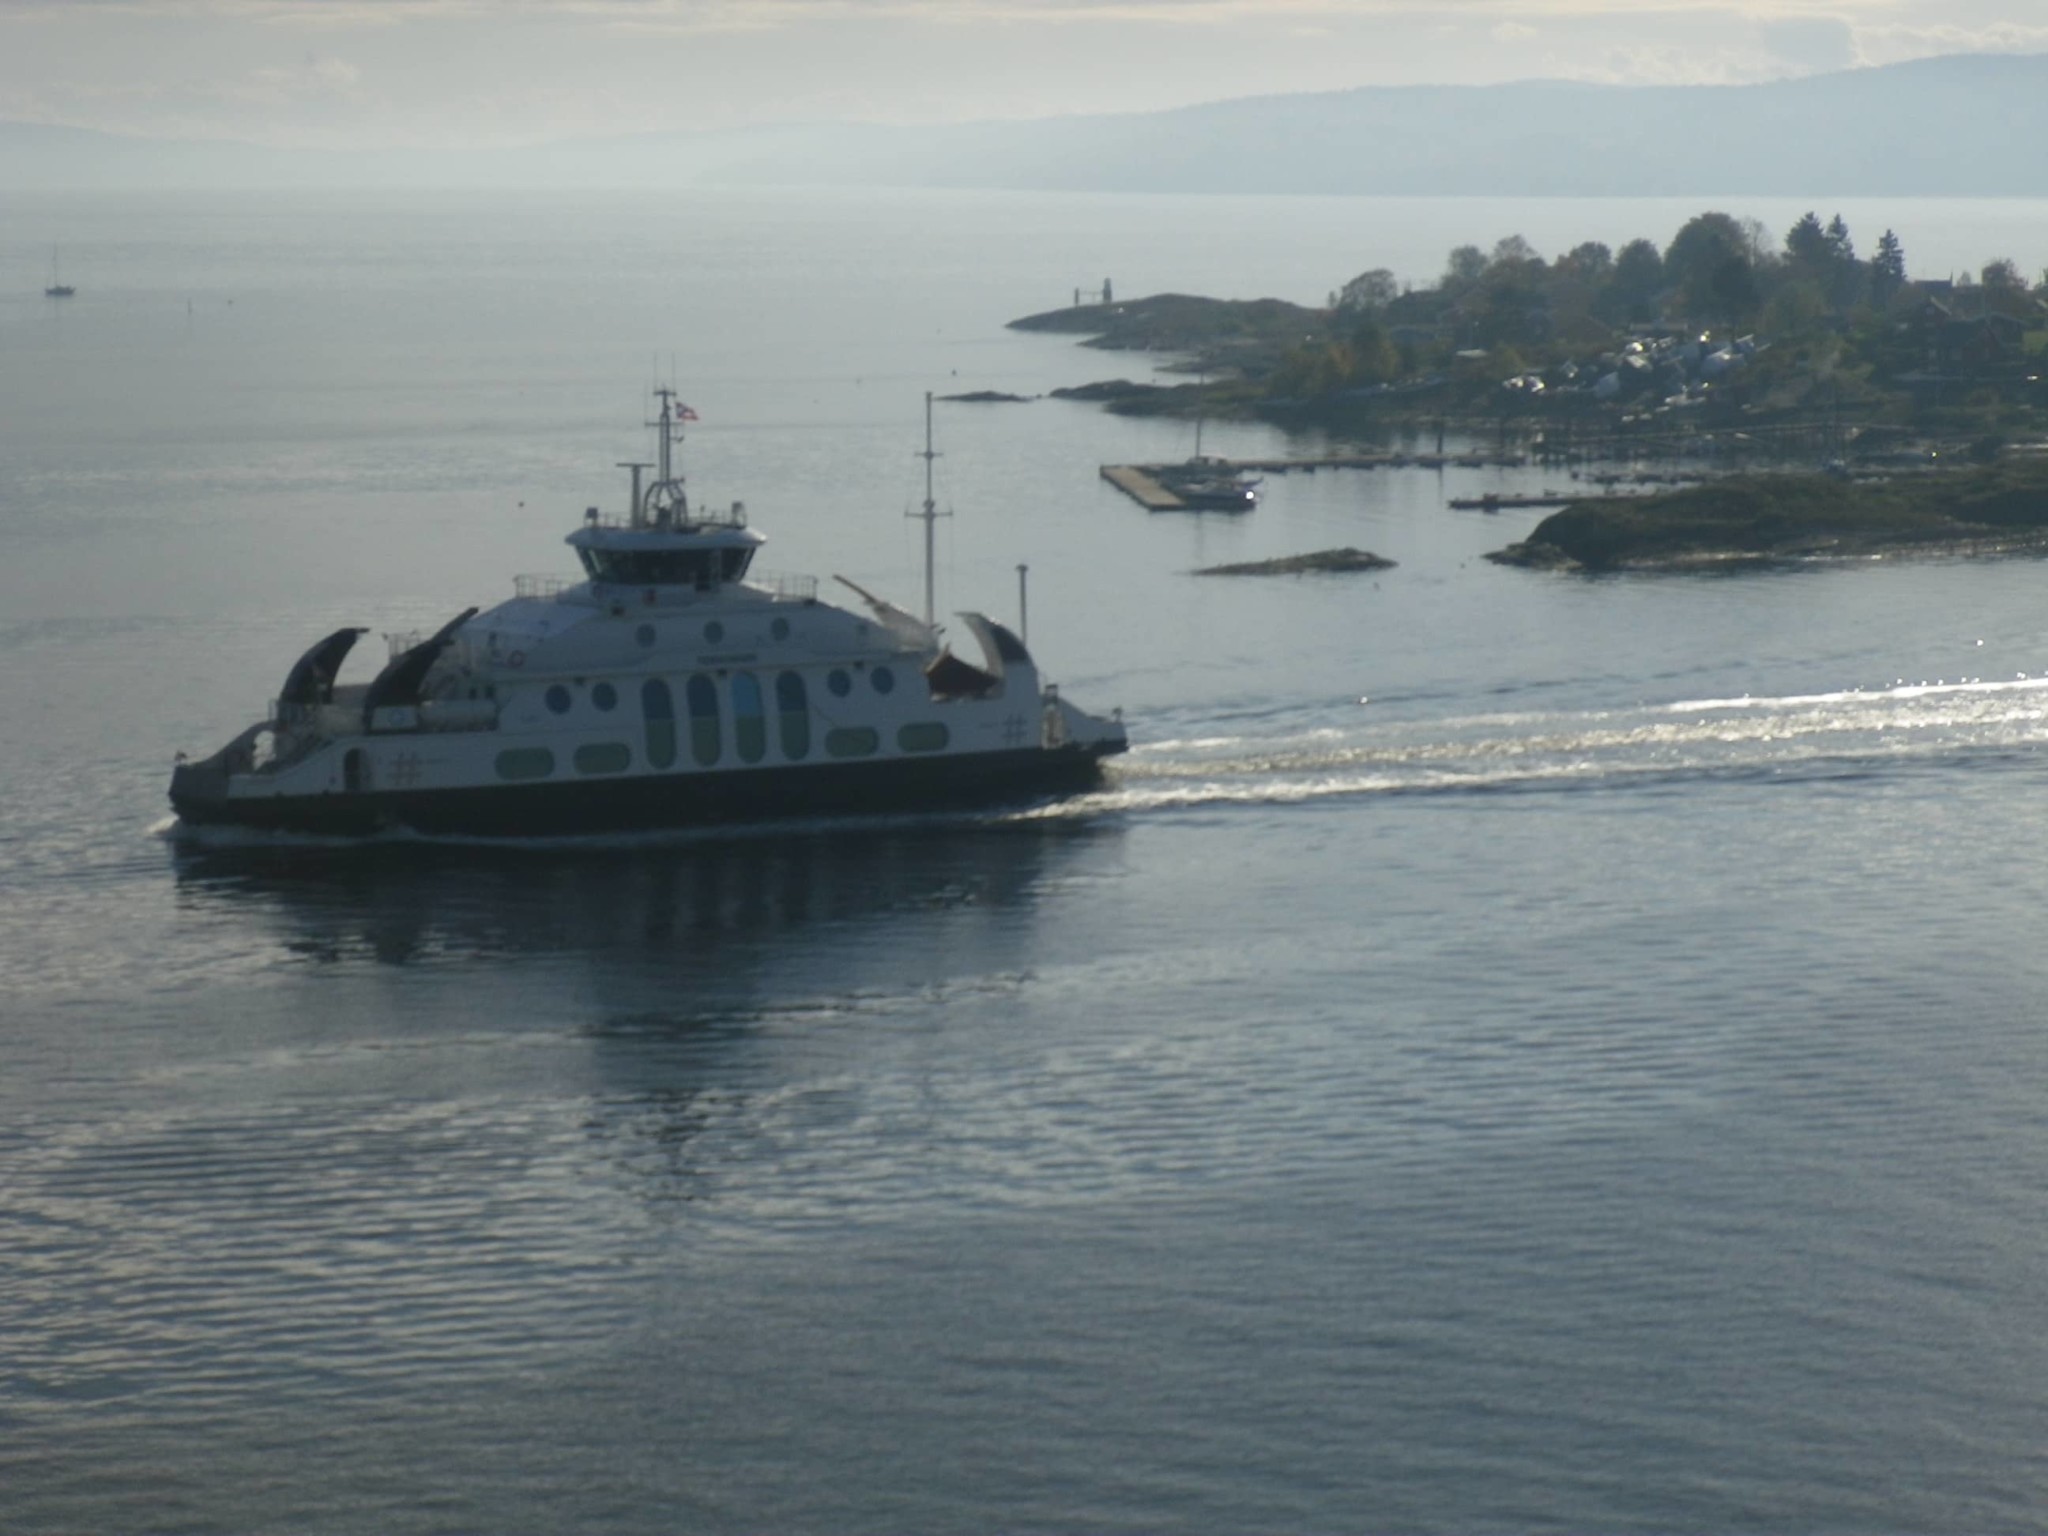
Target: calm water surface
1503, 1052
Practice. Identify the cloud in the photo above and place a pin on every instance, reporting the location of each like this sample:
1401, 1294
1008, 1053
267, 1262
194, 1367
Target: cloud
1812, 44
314, 79
1899, 42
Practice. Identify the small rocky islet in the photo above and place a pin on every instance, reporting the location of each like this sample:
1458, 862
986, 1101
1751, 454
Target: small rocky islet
1322, 561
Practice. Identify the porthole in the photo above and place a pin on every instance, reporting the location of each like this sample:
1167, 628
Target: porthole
558, 699
838, 682
923, 736
883, 679
779, 629
714, 632
644, 634
604, 696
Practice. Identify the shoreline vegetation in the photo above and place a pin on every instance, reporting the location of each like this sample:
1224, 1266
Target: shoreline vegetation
1788, 518
1834, 406
1726, 330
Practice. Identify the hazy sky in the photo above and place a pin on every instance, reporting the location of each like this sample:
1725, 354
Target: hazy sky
384, 72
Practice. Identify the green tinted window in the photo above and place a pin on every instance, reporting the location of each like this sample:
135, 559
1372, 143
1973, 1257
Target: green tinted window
852, 741
604, 757
658, 708
705, 745
525, 763
749, 724
793, 715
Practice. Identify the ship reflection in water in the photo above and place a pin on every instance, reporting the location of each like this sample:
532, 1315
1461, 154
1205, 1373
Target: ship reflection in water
717, 904
649, 1013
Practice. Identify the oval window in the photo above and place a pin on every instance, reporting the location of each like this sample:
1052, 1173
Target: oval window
793, 715
603, 757
604, 696
644, 634
714, 632
779, 629
749, 720
526, 763
558, 699
702, 697
659, 709
852, 741
883, 679
840, 684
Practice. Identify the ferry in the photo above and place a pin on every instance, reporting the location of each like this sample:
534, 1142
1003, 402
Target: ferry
664, 689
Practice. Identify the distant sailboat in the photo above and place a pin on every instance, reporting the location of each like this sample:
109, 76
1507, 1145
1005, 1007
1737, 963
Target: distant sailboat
58, 289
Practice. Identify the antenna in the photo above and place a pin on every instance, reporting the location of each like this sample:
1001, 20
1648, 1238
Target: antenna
666, 423
665, 496
931, 513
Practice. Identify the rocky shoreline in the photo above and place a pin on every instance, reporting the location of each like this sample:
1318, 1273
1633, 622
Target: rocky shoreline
1782, 519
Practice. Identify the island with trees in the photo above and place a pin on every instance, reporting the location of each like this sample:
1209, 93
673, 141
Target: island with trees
1725, 323
1728, 348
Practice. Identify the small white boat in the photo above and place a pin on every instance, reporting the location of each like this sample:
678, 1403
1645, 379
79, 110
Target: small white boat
664, 689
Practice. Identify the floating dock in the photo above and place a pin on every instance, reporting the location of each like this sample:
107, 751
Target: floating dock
1137, 483
1509, 503
1140, 482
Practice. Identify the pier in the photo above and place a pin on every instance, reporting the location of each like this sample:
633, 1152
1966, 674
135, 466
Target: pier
1136, 482
1141, 482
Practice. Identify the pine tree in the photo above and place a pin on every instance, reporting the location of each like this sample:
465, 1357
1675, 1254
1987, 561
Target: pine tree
1887, 268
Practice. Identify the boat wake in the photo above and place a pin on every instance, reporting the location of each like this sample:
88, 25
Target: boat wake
1851, 733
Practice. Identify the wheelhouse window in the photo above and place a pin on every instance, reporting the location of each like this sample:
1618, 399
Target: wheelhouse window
666, 567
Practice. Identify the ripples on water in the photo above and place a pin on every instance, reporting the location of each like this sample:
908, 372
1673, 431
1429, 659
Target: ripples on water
1501, 1052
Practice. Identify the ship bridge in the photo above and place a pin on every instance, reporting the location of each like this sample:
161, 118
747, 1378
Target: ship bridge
663, 541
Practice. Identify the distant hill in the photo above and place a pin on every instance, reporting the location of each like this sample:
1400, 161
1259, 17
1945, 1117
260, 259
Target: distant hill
1967, 125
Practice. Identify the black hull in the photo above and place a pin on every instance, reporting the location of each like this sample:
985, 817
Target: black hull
663, 801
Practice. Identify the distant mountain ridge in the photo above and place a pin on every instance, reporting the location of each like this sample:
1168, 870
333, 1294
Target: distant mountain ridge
1964, 125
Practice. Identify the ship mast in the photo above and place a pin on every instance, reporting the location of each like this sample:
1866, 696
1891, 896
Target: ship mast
931, 513
665, 499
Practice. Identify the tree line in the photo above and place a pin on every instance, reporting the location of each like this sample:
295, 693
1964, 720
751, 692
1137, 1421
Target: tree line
1718, 273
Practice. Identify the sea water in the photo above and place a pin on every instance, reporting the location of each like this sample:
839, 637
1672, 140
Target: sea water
1503, 1051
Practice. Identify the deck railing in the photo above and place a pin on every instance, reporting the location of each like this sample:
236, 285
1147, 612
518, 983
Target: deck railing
785, 589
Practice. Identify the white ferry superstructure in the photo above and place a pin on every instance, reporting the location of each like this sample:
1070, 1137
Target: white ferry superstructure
664, 689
